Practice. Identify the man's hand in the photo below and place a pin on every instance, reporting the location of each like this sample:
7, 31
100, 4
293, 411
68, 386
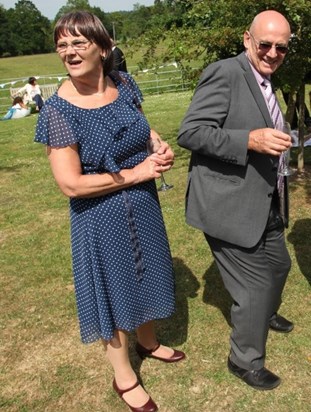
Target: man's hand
269, 141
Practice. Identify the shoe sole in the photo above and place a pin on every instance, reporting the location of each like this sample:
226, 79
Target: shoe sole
281, 331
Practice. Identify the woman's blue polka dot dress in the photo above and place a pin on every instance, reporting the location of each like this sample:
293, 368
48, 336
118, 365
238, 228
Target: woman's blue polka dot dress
121, 258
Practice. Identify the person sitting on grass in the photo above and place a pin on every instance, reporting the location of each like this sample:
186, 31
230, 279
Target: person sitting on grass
18, 110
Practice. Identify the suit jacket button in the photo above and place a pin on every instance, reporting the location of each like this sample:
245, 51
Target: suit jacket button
270, 194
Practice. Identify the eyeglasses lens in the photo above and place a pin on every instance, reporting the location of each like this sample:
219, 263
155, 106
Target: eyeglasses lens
76, 45
267, 46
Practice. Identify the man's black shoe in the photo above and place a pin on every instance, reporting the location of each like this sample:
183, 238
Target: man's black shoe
280, 324
261, 379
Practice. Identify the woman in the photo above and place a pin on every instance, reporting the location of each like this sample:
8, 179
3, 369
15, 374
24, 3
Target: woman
96, 138
21, 109
32, 93
18, 110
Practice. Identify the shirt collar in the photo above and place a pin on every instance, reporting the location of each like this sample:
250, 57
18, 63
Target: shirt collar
261, 80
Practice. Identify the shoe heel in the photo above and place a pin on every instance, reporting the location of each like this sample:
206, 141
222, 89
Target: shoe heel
141, 355
143, 352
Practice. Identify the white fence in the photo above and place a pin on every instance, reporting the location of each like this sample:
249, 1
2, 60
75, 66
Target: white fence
152, 81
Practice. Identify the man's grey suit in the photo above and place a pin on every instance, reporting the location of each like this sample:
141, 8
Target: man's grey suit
229, 198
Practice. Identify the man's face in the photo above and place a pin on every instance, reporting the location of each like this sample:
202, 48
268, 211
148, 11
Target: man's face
266, 48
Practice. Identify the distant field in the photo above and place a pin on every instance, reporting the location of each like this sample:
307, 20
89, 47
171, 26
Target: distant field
49, 69
41, 64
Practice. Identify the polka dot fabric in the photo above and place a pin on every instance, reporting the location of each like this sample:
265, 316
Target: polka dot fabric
121, 259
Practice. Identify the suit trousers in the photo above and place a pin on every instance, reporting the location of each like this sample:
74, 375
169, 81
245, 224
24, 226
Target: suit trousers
255, 278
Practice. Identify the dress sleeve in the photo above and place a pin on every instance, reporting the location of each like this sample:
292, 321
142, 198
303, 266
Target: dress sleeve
53, 128
133, 89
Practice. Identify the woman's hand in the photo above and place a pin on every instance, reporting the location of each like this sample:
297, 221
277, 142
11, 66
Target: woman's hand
163, 156
148, 169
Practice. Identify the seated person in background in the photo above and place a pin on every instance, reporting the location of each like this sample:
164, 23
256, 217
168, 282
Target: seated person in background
32, 93
21, 109
18, 109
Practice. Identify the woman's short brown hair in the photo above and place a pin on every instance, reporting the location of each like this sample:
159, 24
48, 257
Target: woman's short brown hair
89, 25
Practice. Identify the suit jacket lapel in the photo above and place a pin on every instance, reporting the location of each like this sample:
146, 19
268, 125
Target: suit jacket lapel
254, 88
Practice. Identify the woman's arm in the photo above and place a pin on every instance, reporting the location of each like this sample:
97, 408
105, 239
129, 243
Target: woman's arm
20, 91
66, 168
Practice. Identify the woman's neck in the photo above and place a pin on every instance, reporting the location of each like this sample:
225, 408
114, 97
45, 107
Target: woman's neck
86, 89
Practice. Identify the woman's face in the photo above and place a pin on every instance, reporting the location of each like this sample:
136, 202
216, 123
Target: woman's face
79, 56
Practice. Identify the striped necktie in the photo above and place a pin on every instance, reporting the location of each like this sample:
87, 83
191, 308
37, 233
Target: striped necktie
277, 120
273, 105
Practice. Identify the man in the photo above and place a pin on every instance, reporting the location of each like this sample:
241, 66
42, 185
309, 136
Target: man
119, 58
232, 191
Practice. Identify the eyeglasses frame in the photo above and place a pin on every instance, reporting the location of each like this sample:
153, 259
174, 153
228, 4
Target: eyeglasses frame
75, 47
265, 46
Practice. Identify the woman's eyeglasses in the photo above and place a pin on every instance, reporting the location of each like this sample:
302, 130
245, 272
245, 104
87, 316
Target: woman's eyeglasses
265, 46
76, 45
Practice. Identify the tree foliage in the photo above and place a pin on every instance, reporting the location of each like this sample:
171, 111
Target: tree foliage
24, 30
37, 30
206, 30
73, 5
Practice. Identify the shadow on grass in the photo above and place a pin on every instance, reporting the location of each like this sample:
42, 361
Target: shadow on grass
300, 237
174, 330
215, 293
13, 168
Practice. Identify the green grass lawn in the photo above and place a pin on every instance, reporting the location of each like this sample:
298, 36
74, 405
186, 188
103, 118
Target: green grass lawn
43, 365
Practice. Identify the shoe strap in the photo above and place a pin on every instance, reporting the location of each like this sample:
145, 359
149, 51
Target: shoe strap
155, 348
144, 350
123, 391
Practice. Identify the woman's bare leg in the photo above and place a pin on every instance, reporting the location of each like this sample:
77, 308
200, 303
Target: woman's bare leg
118, 356
146, 336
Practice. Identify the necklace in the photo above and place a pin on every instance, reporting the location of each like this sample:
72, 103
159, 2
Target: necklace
90, 94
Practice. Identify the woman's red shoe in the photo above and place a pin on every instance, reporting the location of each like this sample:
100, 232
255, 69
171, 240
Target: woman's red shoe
148, 353
150, 406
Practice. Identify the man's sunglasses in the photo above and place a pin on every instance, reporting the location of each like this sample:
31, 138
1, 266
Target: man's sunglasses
265, 46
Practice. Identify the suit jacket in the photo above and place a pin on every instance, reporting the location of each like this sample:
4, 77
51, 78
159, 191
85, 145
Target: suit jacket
229, 189
119, 60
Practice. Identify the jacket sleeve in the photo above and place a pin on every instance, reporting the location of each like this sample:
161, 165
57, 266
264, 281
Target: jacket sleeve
206, 128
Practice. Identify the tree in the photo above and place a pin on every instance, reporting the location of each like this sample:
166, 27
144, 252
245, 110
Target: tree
73, 5
137, 22
35, 28
4, 25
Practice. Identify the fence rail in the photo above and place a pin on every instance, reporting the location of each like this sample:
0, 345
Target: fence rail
151, 81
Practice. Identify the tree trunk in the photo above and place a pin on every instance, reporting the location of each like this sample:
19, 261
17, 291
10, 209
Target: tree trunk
291, 106
301, 128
